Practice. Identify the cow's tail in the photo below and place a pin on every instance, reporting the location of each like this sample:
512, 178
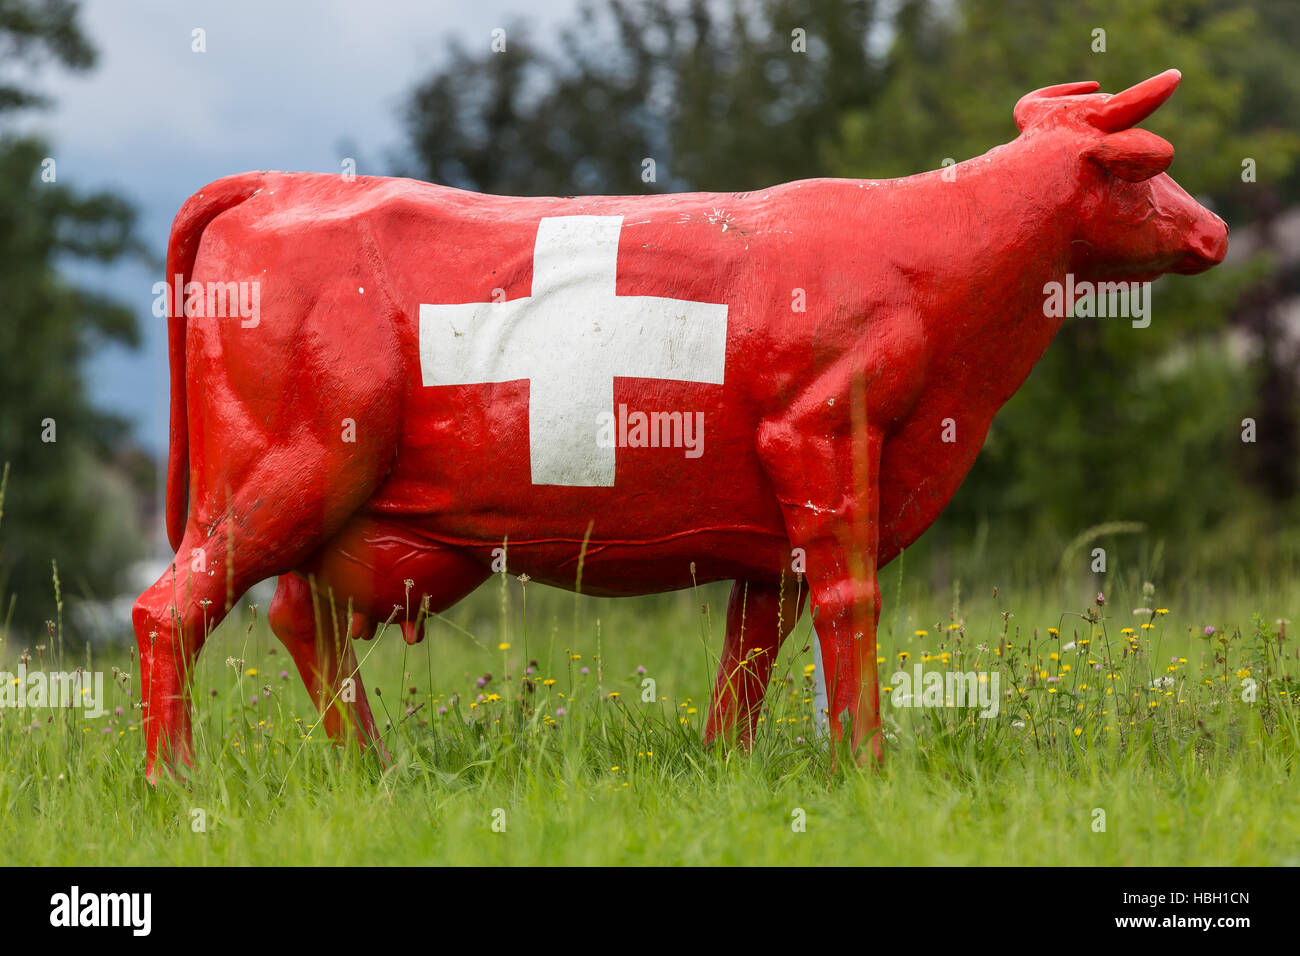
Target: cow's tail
182, 248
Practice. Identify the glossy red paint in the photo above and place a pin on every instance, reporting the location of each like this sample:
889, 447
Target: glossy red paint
825, 431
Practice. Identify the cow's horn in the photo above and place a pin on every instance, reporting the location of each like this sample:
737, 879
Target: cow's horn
1125, 110
1024, 108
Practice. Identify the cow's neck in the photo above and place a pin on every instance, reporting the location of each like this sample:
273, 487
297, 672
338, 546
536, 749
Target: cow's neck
1007, 230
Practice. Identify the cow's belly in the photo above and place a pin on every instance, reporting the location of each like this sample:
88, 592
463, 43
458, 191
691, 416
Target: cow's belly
624, 548
379, 564
464, 481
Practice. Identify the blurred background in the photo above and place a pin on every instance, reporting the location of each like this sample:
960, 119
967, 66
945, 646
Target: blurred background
1130, 440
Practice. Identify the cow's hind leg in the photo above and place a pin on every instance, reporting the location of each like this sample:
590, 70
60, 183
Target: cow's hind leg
760, 615
265, 525
316, 634
293, 428
173, 619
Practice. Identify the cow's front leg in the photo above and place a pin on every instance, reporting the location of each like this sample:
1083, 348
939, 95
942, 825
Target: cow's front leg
827, 481
760, 615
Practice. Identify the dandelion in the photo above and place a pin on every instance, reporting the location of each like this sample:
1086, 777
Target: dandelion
503, 646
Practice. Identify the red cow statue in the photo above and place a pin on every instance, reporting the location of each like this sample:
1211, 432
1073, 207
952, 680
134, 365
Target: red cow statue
669, 388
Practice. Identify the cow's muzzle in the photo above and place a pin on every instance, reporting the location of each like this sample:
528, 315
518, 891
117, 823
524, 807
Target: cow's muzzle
1207, 244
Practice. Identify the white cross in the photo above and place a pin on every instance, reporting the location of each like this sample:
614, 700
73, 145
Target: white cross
570, 339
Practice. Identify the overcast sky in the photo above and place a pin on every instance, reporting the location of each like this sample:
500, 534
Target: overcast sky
281, 86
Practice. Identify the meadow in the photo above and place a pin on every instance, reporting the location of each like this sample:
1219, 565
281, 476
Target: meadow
1149, 730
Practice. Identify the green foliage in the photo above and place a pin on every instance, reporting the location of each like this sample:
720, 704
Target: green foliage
1115, 423
712, 92
63, 504
1186, 770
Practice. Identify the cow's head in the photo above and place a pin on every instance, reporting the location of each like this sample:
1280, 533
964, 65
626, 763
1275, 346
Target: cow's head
1131, 219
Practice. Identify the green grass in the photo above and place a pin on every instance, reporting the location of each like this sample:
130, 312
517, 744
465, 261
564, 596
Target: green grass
1201, 778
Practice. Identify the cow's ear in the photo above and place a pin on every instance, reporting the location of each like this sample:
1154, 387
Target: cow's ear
1133, 154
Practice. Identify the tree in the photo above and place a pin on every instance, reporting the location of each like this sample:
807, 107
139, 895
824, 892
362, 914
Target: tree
1118, 424
725, 96
60, 504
